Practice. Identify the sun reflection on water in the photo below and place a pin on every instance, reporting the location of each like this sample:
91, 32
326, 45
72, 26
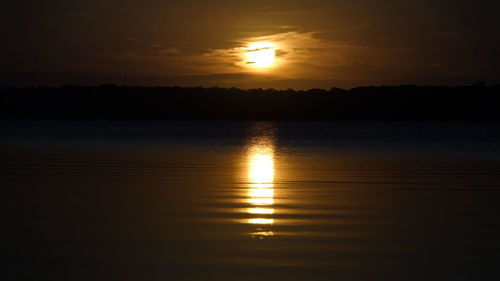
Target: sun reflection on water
260, 195
260, 211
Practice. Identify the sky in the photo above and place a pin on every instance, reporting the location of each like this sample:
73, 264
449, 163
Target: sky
316, 43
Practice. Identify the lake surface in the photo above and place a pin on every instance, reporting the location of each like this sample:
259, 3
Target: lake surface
124, 200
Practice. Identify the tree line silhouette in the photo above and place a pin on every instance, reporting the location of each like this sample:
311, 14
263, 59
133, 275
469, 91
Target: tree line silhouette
477, 102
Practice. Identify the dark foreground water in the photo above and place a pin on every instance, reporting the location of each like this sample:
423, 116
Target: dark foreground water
249, 201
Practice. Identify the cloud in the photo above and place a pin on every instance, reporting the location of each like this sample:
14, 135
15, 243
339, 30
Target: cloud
297, 54
280, 53
306, 55
171, 51
161, 50
309, 55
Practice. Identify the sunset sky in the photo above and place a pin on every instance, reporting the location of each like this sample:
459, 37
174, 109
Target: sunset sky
315, 43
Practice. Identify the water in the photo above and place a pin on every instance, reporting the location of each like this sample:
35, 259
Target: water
94, 200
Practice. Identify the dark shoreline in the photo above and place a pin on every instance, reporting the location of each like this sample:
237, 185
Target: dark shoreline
477, 103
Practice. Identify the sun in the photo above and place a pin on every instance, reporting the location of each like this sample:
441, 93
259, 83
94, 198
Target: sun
260, 54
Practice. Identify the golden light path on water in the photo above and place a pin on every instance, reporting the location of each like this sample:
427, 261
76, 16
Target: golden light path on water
260, 196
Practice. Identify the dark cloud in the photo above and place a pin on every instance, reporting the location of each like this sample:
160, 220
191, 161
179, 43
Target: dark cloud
281, 53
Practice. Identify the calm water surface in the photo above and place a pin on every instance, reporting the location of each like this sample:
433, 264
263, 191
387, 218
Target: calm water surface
249, 201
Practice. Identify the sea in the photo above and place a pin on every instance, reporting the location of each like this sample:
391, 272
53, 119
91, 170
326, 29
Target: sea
224, 200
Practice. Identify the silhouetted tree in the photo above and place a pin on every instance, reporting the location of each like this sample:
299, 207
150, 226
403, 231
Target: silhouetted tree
406, 102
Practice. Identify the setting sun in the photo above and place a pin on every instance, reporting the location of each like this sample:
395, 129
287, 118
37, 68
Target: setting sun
260, 54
